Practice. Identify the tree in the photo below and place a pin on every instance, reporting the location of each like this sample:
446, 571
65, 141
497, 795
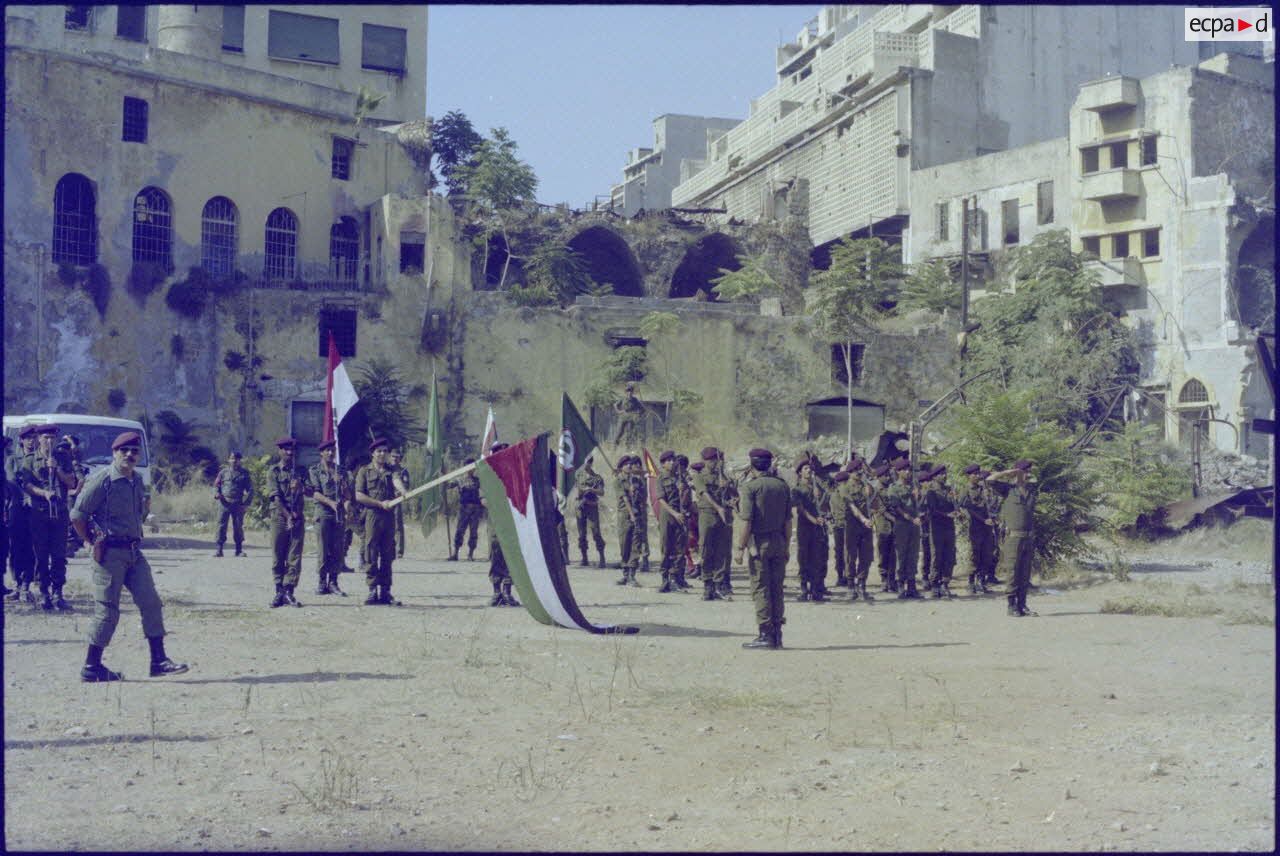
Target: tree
659, 325
498, 181
848, 297
1138, 475
386, 403
748, 281
178, 453
930, 286
562, 272
454, 141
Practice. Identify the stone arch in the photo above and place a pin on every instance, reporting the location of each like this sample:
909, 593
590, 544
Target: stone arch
702, 263
609, 259
1255, 284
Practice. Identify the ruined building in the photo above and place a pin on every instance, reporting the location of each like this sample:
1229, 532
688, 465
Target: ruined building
652, 173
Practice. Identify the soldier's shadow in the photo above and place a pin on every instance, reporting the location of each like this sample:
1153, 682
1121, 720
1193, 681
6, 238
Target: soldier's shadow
677, 630
873, 647
297, 678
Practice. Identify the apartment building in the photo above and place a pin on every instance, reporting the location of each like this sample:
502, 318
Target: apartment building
652, 173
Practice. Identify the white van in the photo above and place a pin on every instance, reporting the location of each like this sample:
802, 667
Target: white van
96, 435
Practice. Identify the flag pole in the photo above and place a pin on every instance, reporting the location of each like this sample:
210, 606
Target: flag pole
461, 471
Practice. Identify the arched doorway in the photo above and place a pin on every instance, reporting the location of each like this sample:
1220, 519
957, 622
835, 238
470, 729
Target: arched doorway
702, 263
1194, 404
609, 260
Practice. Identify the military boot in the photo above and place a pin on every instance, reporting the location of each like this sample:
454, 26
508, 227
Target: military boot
600, 554
239, 549
453, 555
804, 591
973, 583
1022, 605
775, 637
680, 581
764, 640
497, 599
16, 594
623, 580
333, 585
944, 591
644, 565
507, 597
584, 563
709, 591
725, 592
854, 592
866, 595
218, 553
388, 599
1013, 610
324, 587
631, 580
374, 598
46, 600
907, 589
278, 600
59, 602
289, 597
666, 586
471, 554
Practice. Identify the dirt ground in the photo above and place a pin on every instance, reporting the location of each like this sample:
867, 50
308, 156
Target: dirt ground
448, 725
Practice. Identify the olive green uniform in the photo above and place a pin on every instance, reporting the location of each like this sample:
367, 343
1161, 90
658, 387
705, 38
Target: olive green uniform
811, 538
882, 525
902, 507
939, 506
115, 505
330, 526
288, 486
1018, 516
975, 502
858, 536
630, 411
47, 519
375, 482
233, 488
765, 502
714, 535
590, 489
470, 512
835, 526
633, 524
22, 559
671, 531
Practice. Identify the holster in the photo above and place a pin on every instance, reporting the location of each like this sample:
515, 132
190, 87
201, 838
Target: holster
99, 550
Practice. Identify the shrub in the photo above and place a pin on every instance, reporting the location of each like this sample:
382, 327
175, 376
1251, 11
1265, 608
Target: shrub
189, 297
117, 399
259, 510
143, 279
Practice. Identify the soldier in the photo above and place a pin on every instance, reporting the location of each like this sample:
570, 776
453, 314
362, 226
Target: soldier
328, 492
994, 503
694, 473
904, 510
21, 554
1020, 492
72, 445
10, 495
633, 519
882, 523
288, 485
377, 483
729, 492
394, 457
115, 502
926, 542
470, 512
671, 526
233, 488
809, 523
765, 512
690, 511
835, 525
499, 573
630, 412
942, 511
713, 525
46, 477
973, 501
858, 529
590, 486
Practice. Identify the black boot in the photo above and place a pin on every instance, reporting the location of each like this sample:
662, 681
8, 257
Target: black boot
497, 599
764, 640
471, 554
644, 565
775, 637
583, 554
623, 581
278, 600
453, 557
333, 585
239, 549
46, 600
388, 599
161, 665
600, 554
59, 602
1012, 609
1022, 605
709, 591
289, 598
666, 586
944, 590
725, 592
631, 579
680, 581
696, 573
804, 591
374, 598
323, 587
507, 597
865, 594
218, 554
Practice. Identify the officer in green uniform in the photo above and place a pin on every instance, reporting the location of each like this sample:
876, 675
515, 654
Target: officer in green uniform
499, 573
994, 503
114, 503
46, 477
470, 512
904, 510
729, 490
882, 523
688, 553
394, 457
328, 492
942, 511
21, 555
713, 524
233, 488
375, 486
590, 486
858, 529
973, 501
926, 541
288, 485
809, 527
630, 412
1018, 514
671, 526
765, 512
633, 519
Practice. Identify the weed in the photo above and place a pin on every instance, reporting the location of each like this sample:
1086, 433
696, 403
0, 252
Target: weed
335, 784
472, 658
1118, 567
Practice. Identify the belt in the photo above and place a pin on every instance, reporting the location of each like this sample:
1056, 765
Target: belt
120, 541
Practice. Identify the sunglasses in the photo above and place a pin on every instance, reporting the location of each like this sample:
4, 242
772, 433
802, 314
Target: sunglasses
129, 450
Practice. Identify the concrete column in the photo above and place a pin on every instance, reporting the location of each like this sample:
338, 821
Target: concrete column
192, 30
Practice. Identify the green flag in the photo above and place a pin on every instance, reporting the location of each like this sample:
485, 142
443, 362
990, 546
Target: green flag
435, 461
576, 443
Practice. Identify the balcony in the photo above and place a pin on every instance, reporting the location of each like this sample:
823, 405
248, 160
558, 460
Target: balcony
1111, 93
1117, 273
1112, 184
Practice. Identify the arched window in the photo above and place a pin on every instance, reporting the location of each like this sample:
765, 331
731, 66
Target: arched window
281, 245
152, 229
344, 250
218, 236
75, 221
1193, 392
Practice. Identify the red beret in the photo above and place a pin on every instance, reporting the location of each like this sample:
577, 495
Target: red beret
759, 453
697, 466
498, 447
327, 444
379, 443
940, 470
710, 453
1022, 464
972, 469
47, 428
286, 443
880, 471
26, 431
128, 438
668, 455
841, 476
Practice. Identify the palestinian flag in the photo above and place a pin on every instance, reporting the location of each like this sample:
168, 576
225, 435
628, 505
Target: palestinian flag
576, 444
344, 416
521, 505
651, 479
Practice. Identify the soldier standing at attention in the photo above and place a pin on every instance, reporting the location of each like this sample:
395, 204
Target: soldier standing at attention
45, 478
394, 457
883, 525
729, 499
72, 444
973, 502
1018, 515
21, 554
994, 503
835, 526
11, 495
804, 499
630, 411
233, 488
328, 492
376, 485
926, 542
470, 511
115, 502
590, 486
765, 512
941, 508
631, 521
671, 526
858, 531
713, 525
903, 508
694, 474
288, 485
499, 573
638, 496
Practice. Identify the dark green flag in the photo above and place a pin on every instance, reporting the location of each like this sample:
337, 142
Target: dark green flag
576, 443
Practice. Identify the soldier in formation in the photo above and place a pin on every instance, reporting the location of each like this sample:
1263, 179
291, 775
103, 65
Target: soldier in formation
289, 487
590, 486
904, 510
377, 483
859, 530
810, 541
633, 517
470, 512
72, 445
671, 525
975, 501
941, 511
22, 558
499, 573
394, 458
713, 498
45, 477
330, 490
233, 489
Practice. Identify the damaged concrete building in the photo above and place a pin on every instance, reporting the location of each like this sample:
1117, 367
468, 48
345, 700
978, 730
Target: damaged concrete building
652, 173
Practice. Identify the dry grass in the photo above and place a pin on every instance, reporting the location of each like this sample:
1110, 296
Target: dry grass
1237, 603
193, 504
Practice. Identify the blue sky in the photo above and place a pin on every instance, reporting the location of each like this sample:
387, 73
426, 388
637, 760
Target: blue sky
579, 86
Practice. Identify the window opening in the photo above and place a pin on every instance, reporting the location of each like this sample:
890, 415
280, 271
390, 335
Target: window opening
342, 323
78, 17
344, 250
218, 243
340, 166
1089, 160
1148, 151
1044, 203
135, 120
1119, 155
307, 422
1193, 392
1120, 246
1092, 246
1009, 220
75, 221
233, 28
304, 37
382, 48
281, 244
152, 229
1150, 243
413, 247
131, 23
